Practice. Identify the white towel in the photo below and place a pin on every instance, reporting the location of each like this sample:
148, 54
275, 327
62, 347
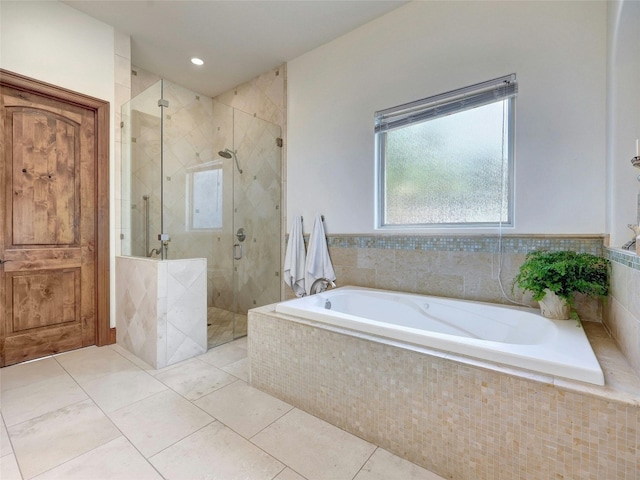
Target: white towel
318, 262
294, 259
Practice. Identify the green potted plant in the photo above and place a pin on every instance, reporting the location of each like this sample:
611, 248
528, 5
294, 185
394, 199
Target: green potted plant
554, 278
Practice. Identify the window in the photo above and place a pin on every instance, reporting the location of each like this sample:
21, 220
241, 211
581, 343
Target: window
204, 208
448, 160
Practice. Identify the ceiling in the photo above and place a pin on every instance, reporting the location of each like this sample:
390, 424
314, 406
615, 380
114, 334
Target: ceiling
238, 40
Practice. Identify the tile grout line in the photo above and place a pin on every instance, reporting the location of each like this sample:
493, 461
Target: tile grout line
47, 413
367, 460
122, 434
13, 450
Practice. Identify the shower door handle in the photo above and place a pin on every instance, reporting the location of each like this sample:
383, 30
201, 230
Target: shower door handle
237, 251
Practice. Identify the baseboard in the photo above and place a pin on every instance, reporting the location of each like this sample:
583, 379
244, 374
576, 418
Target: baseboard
112, 335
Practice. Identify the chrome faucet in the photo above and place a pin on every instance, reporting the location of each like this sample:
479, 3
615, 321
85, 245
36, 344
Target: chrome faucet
320, 285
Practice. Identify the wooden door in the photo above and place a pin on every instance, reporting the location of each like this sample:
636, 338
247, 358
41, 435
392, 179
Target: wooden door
49, 216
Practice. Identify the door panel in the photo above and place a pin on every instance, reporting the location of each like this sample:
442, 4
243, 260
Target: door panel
45, 165
48, 286
44, 299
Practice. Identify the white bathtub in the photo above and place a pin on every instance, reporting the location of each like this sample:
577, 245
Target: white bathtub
506, 335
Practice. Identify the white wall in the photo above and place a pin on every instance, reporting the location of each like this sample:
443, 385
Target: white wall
623, 127
54, 43
558, 51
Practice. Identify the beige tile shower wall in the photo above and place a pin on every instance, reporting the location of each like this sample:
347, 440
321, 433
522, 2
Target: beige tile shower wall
141, 80
622, 314
264, 97
465, 275
459, 421
188, 144
145, 181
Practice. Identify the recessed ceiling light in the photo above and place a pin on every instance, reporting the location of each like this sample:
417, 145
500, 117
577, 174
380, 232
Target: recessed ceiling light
197, 61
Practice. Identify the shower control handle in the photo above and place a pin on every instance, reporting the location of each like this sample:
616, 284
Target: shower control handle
237, 251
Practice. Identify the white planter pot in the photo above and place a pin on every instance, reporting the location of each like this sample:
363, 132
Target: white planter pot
554, 307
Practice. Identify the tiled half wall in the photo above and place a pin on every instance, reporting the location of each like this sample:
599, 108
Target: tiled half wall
161, 308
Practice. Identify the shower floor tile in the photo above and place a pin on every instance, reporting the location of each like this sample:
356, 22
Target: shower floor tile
152, 424
220, 327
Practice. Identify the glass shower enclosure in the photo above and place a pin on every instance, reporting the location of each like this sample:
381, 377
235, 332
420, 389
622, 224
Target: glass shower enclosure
201, 179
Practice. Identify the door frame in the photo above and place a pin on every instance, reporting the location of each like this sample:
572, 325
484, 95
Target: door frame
100, 110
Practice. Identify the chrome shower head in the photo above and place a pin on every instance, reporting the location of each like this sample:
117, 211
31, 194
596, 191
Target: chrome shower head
226, 153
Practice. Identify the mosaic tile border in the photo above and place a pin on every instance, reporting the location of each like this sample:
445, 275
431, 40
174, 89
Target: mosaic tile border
486, 244
623, 257
473, 244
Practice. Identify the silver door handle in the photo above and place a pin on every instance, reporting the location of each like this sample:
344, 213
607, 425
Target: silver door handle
237, 251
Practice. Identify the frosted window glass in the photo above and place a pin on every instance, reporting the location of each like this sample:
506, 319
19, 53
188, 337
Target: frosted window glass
450, 170
206, 199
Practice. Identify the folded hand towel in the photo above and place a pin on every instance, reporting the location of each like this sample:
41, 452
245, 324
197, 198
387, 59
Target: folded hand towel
294, 259
318, 262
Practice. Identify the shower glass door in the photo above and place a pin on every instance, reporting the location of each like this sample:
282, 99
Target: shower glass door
256, 216
141, 190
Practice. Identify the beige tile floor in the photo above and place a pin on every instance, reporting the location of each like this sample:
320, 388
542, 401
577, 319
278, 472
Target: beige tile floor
100, 413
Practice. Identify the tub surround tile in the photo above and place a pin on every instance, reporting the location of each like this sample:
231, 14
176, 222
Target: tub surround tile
464, 267
449, 416
622, 312
440, 284
445, 267
621, 381
403, 281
